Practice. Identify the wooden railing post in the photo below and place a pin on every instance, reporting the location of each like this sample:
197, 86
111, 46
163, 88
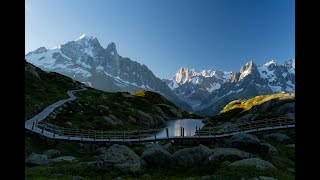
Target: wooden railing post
94, 139
155, 134
139, 134
182, 132
109, 136
69, 134
32, 126
167, 132
54, 131
285, 120
101, 134
271, 123
81, 134
255, 123
209, 130
280, 122
43, 126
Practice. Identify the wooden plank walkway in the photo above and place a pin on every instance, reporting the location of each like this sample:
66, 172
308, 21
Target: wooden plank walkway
51, 131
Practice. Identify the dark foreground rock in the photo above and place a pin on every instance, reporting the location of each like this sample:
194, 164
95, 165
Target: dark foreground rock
119, 157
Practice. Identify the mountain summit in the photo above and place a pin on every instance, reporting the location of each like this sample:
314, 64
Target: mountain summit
85, 60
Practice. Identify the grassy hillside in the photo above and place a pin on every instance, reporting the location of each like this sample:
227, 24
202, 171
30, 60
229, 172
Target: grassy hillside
95, 108
259, 107
44, 88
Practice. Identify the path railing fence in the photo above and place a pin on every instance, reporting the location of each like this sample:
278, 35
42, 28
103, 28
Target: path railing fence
137, 135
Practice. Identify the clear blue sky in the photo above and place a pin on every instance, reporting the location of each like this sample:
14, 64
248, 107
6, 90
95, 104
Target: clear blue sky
168, 34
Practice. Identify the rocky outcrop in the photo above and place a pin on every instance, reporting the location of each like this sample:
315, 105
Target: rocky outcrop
278, 137
64, 158
246, 142
156, 155
271, 149
111, 119
220, 155
252, 162
103, 108
117, 156
191, 156
52, 153
36, 159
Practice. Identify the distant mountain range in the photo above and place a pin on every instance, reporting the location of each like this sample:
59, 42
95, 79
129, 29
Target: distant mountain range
85, 60
205, 92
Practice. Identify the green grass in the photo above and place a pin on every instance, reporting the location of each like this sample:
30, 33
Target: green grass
248, 104
51, 87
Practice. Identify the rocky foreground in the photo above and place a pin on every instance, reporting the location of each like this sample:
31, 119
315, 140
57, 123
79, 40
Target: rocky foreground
260, 156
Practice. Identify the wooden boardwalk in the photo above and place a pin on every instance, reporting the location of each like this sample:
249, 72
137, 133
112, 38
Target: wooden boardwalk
51, 131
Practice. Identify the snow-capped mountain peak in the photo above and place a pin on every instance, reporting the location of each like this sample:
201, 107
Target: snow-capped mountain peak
270, 63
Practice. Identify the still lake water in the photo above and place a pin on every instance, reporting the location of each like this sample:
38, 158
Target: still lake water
174, 127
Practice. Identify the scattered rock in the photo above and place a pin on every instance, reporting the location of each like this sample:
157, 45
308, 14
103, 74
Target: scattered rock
263, 178
146, 118
191, 156
52, 153
156, 155
112, 119
36, 159
131, 119
271, 149
103, 97
167, 146
64, 158
103, 108
291, 145
253, 162
220, 155
69, 123
146, 176
247, 142
117, 156
278, 137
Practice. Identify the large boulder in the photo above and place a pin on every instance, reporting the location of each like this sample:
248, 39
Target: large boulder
191, 156
119, 157
246, 142
271, 149
36, 159
278, 137
52, 153
103, 108
220, 155
156, 155
146, 118
252, 162
64, 158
